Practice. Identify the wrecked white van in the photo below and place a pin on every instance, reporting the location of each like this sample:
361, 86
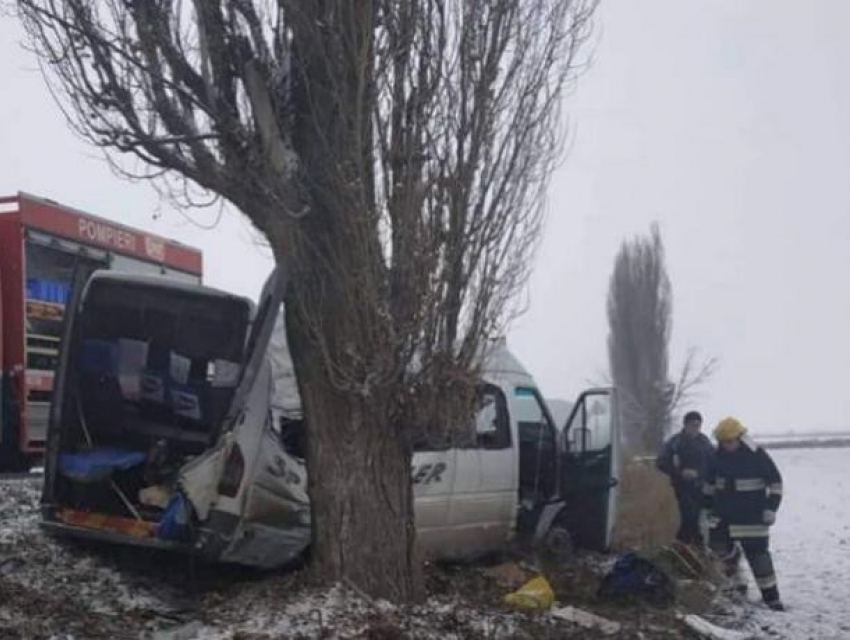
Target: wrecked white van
165, 432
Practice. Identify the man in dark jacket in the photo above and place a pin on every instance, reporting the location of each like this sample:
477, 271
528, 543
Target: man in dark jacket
742, 491
684, 457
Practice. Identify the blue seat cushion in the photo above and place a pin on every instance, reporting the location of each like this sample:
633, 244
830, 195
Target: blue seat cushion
98, 464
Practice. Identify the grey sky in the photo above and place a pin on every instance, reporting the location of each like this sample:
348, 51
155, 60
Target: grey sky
726, 121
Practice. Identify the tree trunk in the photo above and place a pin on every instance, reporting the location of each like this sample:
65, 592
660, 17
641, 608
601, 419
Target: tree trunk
358, 461
359, 481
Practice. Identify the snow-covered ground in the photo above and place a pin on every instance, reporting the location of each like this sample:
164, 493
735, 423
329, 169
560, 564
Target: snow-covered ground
811, 545
48, 587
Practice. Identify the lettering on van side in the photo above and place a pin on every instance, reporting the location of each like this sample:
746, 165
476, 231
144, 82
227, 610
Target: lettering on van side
429, 473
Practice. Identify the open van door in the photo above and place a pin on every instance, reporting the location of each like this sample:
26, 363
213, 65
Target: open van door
63, 402
589, 473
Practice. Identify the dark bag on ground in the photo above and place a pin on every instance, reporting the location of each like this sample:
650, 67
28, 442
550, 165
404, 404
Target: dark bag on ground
636, 577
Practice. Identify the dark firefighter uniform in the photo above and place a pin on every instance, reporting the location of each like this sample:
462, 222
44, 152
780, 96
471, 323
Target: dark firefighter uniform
743, 491
684, 458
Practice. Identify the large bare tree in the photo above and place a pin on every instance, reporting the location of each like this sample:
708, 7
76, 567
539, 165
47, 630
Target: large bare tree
640, 317
394, 152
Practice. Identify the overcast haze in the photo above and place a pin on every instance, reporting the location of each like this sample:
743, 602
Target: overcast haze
726, 121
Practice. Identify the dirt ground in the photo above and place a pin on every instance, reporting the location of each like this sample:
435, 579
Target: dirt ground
61, 589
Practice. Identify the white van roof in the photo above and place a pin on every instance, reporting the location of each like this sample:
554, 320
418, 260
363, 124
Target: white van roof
501, 361
500, 365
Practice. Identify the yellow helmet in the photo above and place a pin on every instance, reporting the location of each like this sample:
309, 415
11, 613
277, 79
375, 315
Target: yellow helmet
729, 429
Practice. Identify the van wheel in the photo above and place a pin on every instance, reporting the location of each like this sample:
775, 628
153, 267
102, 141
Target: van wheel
558, 544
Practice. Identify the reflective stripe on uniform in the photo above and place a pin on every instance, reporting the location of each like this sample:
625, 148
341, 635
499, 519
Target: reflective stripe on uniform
708, 489
775, 489
766, 582
748, 530
750, 484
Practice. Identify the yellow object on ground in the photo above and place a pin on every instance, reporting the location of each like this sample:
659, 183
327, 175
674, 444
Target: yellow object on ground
536, 594
729, 429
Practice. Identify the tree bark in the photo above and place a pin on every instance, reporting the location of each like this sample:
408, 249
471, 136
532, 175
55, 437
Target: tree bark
361, 496
358, 461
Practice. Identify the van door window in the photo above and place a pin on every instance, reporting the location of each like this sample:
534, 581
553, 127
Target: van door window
491, 424
589, 431
537, 446
491, 420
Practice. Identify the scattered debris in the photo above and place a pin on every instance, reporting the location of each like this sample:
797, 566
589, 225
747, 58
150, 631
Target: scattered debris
711, 631
534, 595
59, 589
508, 575
685, 560
634, 577
586, 619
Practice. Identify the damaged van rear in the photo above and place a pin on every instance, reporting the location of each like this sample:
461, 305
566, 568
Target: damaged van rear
162, 414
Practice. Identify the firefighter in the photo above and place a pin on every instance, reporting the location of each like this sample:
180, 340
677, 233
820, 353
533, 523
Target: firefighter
742, 492
684, 457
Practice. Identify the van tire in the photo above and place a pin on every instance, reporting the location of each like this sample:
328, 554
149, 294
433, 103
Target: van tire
557, 544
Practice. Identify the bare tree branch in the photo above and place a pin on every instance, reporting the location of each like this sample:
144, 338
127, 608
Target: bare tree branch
396, 152
694, 375
640, 315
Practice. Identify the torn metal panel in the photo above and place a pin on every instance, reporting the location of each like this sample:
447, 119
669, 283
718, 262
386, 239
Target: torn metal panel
275, 526
199, 478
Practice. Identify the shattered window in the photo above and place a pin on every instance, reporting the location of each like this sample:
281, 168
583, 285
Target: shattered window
491, 420
488, 429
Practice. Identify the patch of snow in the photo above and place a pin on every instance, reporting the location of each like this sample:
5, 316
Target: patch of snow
53, 589
586, 619
712, 632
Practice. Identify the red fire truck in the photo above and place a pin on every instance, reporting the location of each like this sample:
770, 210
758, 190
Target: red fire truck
42, 245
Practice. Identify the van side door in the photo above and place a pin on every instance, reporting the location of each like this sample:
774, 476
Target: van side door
590, 468
483, 499
537, 448
64, 402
